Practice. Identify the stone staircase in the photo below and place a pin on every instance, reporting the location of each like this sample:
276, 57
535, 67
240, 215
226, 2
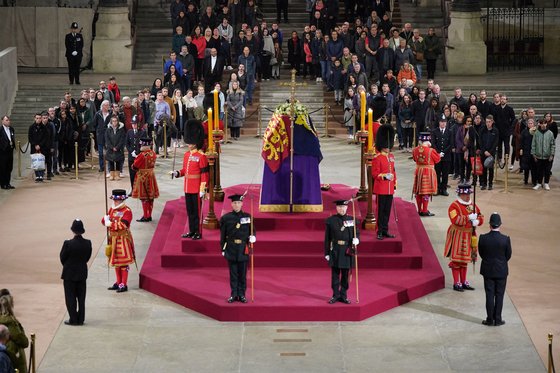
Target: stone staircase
153, 36
544, 99
309, 93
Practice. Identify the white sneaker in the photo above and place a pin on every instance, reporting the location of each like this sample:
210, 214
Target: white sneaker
108, 174
121, 174
546, 187
511, 168
537, 187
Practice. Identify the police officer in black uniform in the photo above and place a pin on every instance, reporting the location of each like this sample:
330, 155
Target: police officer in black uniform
74, 256
74, 43
235, 236
339, 250
495, 250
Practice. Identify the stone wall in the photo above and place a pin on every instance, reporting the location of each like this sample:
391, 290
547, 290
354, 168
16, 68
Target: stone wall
38, 33
8, 77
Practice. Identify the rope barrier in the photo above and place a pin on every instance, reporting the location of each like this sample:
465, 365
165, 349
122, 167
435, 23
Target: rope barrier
336, 120
26, 148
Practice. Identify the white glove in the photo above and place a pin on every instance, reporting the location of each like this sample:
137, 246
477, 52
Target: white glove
475, 223
473, 216
223, 253
389, 176
74, 53
133, 154
107, 220
202, 194
355, 241
252, 239
442, 154
328, 257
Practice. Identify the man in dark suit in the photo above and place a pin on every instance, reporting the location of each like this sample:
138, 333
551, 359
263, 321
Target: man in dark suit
132, 144
442, 143
74, 43
495, 250
419, 109
7, 146
74, 256
213, 69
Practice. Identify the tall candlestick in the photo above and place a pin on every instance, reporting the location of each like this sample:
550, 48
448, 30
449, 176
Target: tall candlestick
370, 129
210, 130
362, 111
216, 110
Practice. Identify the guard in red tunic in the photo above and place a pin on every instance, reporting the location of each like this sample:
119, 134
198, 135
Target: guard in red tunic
384, 178
121, 248
461, 242
195, 172
145, 184
425, 178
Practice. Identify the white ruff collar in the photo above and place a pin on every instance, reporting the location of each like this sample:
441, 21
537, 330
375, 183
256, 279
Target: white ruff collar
118, 206
463, 202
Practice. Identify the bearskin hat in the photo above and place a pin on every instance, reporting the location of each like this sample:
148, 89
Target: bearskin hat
208, 102
379, 106
385, 137
194, 133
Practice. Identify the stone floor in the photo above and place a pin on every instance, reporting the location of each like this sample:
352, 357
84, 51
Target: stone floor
140, 332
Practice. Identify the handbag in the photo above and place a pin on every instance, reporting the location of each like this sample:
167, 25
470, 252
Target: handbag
37, 162
419, 56
273, 61
489, 162
476, 165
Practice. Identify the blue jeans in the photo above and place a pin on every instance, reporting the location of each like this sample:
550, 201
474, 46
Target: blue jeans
324, 70
100, 147
419, 71
250, 87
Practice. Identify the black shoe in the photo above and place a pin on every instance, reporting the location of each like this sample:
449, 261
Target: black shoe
379, 236
499, 322
57, 173
122, 289
187, 235
68, 322
4, 187
421, 213
458, 288
444, 193
428, 213
231, 299
388, 235
48, 178
114, 287
149, 219
142, 219
490, 187
488, 322
242, 299
467, 286
196, 236
344, 300
483, 187
333, 300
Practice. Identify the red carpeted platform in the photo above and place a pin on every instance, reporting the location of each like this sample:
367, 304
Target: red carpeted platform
292, 278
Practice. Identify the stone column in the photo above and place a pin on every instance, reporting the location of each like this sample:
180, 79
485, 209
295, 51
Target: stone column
466, 51
112, 47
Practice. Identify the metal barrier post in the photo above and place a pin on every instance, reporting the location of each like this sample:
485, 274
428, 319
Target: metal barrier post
19, 158
76, 159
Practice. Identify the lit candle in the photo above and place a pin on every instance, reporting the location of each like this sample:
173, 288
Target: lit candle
370, 129
362, 111
210, 130
216, 110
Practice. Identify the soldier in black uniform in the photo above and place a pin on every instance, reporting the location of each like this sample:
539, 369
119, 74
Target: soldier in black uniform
339, 250
235, 236
74, 43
